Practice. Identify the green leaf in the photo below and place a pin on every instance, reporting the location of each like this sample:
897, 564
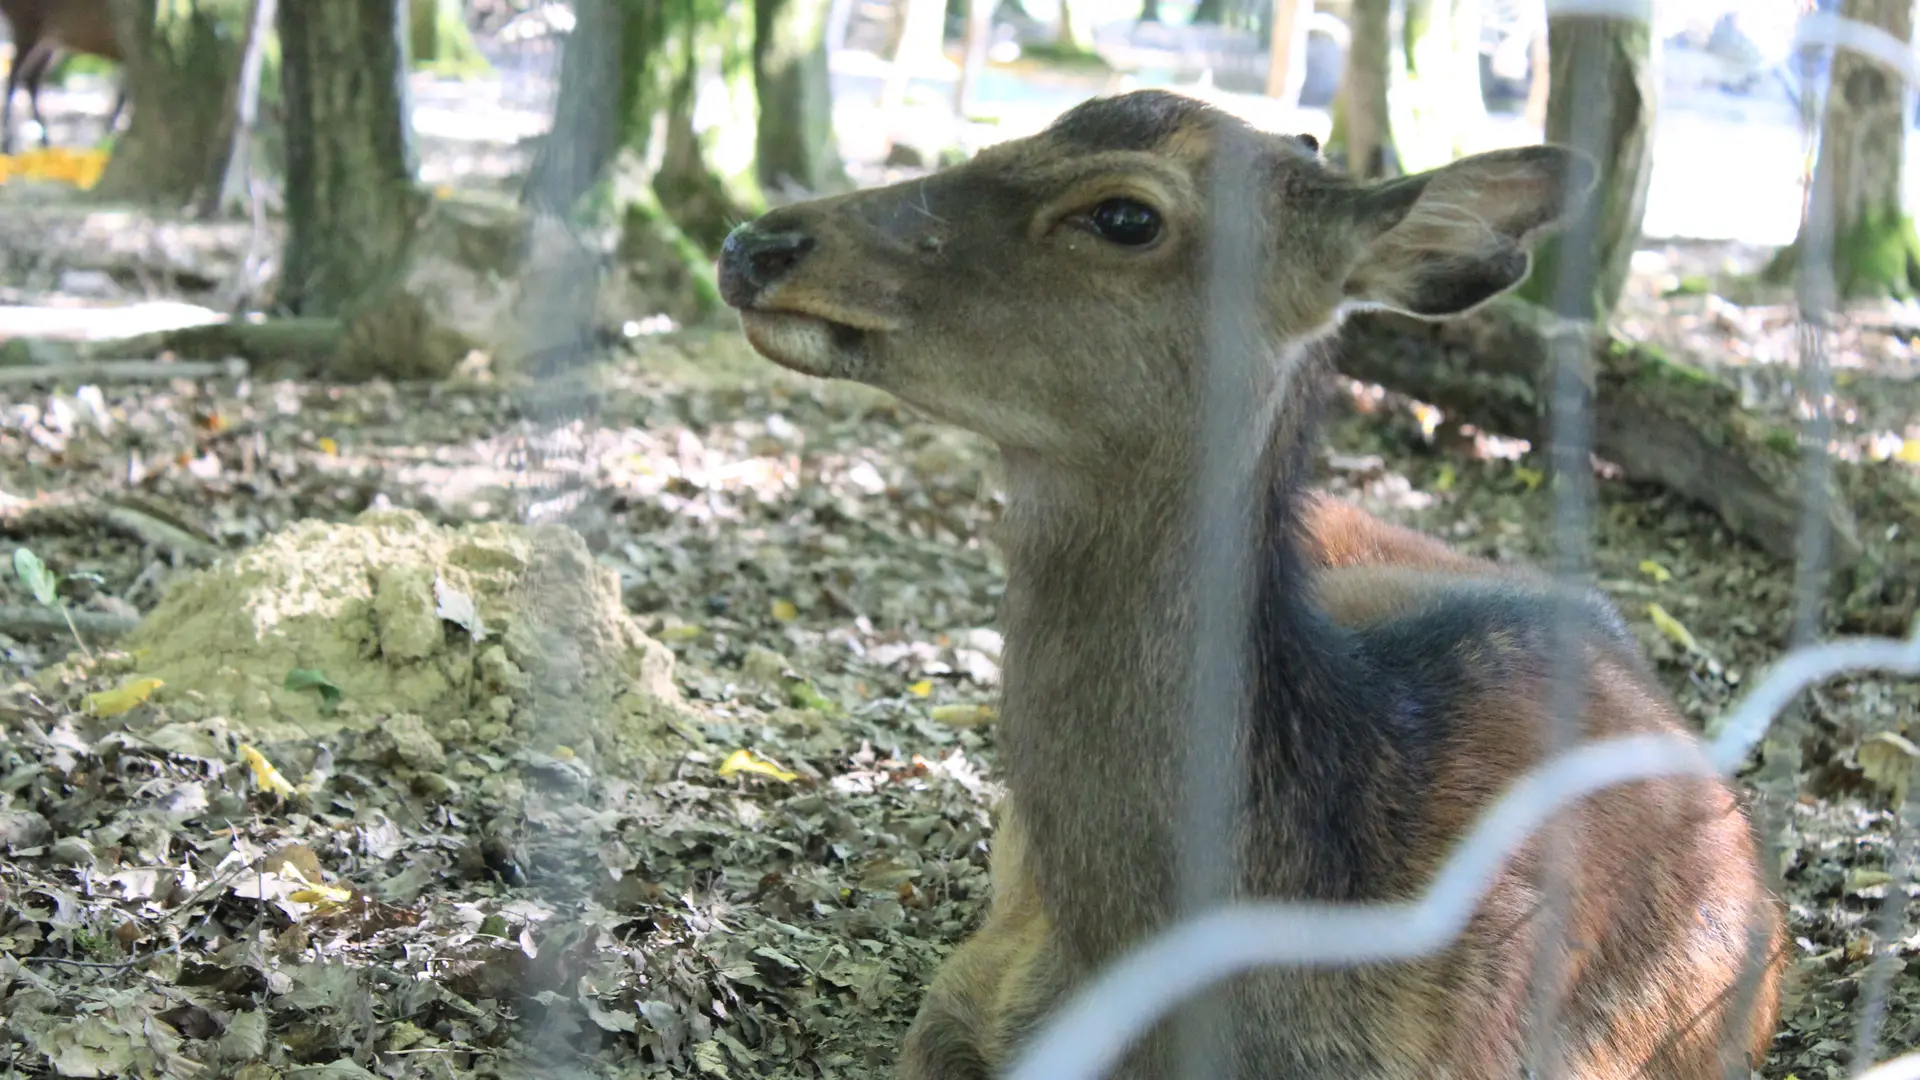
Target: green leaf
314, 679
36, 576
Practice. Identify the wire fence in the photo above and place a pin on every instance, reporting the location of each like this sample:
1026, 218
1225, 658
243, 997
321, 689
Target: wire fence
1214, 941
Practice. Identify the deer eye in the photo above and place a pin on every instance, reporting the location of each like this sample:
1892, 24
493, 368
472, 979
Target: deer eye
1127, 222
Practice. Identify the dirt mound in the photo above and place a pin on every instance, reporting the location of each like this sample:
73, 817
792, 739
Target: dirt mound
474, 633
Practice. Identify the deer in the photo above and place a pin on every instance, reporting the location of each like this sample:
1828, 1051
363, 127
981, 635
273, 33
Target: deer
41, 28
1050, 294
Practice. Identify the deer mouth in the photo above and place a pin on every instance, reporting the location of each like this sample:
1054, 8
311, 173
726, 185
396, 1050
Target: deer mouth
834, 346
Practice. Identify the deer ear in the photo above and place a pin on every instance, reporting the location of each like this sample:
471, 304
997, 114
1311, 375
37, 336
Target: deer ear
1446, 241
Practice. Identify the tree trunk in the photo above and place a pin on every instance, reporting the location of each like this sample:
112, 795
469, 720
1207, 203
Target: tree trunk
440, 39
1539, 81
1149, 11
1862, 139
1208, 11
1435, 99
1360, 129
1287, 47
1073, 36
974, 57
922, 32
351, 199
182, 60
236, 187
794, 140
1607, 111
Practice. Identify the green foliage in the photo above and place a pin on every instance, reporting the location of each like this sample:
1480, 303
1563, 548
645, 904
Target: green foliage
1876, 257
35, 576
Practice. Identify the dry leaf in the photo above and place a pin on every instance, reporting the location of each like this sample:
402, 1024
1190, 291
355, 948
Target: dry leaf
114, 702
1887, 759
1673, 628
264, 773
1655, 571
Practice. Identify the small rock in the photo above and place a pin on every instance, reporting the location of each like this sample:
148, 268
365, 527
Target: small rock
23, 829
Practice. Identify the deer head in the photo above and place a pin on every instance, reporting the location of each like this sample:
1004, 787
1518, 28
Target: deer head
1051, 293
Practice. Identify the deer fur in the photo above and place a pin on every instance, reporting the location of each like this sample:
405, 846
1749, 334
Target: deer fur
1396, 687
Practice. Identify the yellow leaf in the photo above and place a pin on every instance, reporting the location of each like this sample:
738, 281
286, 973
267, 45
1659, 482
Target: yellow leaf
785, 611
1655, 571
1444, 482
1673, 628
564, 753
329, 447
1909, 452
1529, 477
264, 773
321, 894
683, 632
921, 688
114, 702
962, 715
747, 761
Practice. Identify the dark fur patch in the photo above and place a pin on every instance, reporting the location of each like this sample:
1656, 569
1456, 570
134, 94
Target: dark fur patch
1451, 286
1351, 725
1138, 121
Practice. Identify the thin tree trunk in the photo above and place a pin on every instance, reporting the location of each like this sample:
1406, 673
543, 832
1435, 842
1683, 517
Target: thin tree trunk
351, 198
1619, 102
794, 138
921, 35
1360, 111
974, 59
1862, 139
1072, 35
1435, 100
1287, 45
236, 184
1539, 81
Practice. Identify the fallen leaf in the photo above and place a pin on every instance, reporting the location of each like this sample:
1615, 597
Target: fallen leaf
264, 772
1887, 759
1655, 571
921, 688
784, 610
1673, 628
107, 703
962, 715
747, 761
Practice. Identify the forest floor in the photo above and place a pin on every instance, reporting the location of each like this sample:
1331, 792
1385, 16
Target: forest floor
815, 557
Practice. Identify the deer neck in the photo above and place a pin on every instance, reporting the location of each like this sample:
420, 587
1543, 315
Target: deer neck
1101, 617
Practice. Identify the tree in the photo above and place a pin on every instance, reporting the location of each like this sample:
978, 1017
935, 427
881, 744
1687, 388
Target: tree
351, 198
1601, 98
180, 70
1149, 11
1435, 99
1287, 50
1072, 35
1862, 140
795, 142
1360, 116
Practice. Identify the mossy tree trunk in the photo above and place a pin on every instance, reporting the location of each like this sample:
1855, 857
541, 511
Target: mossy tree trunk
794, 139
351, 198
1608, 111
1360, 112
1862, 139
625, 148
183, 58
1435, 102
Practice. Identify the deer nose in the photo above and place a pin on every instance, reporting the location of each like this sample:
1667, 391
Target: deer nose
751, 260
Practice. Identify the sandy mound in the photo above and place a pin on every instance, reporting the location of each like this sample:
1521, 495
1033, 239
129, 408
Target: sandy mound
473, 633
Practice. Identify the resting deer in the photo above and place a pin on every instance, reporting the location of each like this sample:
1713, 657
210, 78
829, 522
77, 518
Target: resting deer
1050, 295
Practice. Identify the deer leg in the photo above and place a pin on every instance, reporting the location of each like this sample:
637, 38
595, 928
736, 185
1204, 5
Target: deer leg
33, 68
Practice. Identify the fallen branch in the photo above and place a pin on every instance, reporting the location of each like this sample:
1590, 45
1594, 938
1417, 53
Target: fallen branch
20, 622
1661, 421
116, 371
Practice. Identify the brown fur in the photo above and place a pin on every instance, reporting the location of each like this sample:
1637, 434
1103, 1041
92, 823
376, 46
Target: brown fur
1397, 686
40, 29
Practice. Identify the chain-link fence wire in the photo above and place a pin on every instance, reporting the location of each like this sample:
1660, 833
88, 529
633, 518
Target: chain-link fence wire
1213, 941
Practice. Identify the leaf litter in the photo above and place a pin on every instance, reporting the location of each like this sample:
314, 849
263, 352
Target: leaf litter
300, 870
